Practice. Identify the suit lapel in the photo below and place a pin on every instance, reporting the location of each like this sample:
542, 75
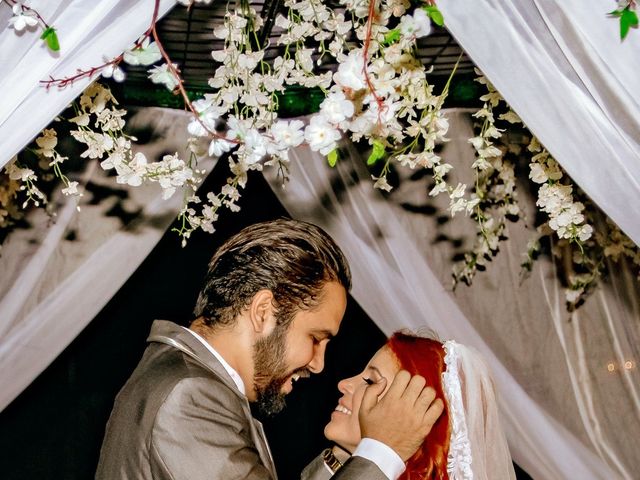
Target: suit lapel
262, 445
177, 337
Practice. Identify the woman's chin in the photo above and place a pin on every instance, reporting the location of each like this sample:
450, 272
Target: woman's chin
328, 431
337, 435
332, 432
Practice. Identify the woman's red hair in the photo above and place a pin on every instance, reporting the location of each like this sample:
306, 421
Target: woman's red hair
425, 357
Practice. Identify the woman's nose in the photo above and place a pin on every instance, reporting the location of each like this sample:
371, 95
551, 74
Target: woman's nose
346, 385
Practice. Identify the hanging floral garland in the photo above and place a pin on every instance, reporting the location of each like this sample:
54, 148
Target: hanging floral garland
379, 95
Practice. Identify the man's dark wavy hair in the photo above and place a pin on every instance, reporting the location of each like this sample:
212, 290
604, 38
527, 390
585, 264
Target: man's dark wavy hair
291, 258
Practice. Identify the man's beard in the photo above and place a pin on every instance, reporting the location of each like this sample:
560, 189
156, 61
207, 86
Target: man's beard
270, 371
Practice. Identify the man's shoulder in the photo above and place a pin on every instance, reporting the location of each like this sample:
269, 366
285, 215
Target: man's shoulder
168, 371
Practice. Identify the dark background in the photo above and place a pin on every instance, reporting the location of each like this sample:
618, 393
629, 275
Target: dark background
54, 429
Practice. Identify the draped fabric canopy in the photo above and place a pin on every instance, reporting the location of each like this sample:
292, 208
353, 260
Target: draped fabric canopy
90, 33
555, 399
560, 65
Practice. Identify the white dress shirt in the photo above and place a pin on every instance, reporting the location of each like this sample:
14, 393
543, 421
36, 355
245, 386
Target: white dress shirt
235, 376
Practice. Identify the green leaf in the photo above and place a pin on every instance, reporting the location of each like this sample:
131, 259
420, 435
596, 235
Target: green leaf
377, 153
628, 19
49, 35
435, 15
332, 158
392, 36
615, 13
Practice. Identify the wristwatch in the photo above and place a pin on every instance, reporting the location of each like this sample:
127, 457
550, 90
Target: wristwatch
330, 460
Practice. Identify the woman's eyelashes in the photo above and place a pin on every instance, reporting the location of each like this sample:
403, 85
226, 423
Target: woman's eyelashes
368, 381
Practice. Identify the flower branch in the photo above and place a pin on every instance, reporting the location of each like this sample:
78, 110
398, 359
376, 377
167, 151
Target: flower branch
25, 18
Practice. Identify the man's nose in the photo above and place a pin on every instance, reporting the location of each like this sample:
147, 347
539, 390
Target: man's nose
317, 362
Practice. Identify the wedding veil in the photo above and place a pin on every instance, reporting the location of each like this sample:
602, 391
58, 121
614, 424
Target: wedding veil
478, 448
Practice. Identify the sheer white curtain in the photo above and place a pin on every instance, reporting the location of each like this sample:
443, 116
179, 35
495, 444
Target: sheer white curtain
89, 31
562, 67
557, 396
51, 288
53, 283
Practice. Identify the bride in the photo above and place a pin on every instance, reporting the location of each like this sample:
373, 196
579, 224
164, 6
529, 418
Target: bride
465, 443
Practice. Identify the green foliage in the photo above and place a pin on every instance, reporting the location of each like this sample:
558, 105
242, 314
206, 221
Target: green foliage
392, 36
434, 14
377, 153
628, 19
51, 38
332, 158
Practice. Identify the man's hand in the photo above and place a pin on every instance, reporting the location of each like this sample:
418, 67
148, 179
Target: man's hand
403, 417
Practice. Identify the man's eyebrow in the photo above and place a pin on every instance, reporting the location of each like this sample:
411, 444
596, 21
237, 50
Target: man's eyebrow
325, 333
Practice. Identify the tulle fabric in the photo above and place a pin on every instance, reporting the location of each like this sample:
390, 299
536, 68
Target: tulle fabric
479, 449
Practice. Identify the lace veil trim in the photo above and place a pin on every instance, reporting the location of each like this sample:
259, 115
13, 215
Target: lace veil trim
459, 459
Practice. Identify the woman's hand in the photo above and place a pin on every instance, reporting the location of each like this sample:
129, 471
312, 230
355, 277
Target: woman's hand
404, 416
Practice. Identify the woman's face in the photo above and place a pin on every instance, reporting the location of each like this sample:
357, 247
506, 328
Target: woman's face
344, 428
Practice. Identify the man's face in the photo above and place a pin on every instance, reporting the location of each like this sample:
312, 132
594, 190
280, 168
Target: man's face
296, 350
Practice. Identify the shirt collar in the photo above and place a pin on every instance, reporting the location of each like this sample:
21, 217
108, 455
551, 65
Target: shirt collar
235, 376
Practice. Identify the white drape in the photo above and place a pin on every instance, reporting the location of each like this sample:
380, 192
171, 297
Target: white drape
559, 64
545, 387
51, 286
89, 31
562, 67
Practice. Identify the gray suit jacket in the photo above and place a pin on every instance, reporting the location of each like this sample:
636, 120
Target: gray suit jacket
180, 416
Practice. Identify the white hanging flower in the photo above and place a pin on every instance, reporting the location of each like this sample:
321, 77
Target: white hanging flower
71, 189
381, 183
238, 128
147, 53
208, 116
22, 174
47, 142
164, 76
133, 173
81, 120
22, 19
321, 136
255, 146
350, 71
585, 233
417, 25
218, 146
250, 61
97, 143
537, 173
336, 107
113, 71
458, 192
287, 134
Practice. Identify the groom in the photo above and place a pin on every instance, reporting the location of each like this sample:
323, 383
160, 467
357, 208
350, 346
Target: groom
273, 297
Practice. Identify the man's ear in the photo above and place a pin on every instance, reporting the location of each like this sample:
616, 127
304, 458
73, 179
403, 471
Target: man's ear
262, 312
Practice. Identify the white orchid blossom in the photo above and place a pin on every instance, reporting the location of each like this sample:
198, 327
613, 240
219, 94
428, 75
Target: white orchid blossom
113, 71
350, 74
146, 53
417, 25
22, 19
321, 135
336, 107
164, 76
